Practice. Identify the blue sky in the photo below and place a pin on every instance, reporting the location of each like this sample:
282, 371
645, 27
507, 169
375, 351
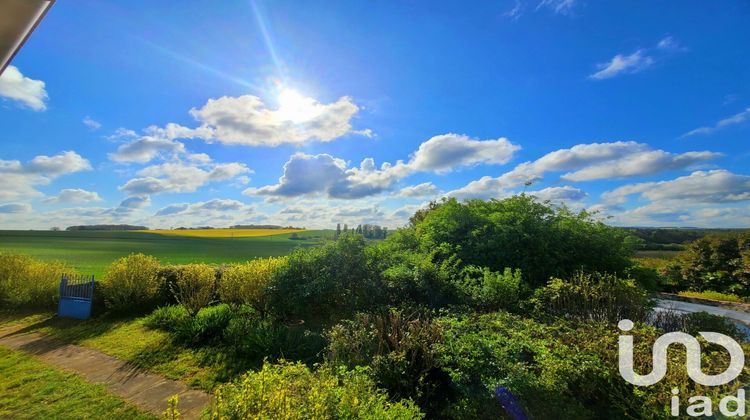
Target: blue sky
179, 113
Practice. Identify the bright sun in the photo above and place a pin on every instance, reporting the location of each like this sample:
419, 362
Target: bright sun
295, 107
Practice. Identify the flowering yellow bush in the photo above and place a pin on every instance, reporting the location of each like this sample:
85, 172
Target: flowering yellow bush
132, 283
195, 286
293, 391
247, 283
25, 281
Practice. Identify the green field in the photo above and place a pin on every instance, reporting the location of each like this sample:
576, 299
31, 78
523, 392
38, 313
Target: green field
92, 251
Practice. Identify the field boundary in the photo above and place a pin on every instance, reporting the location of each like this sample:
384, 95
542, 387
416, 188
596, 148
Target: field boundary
743, 307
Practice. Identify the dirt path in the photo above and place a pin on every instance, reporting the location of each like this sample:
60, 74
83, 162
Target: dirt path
148, 391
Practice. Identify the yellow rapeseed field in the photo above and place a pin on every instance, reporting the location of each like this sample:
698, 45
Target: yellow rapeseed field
224, 233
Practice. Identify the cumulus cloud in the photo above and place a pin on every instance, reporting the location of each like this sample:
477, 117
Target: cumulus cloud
721, 124
636, 61
91, 123
74, 195
23, 90
13, 208
324, 174
205, 208
716, 186
247, 120
585, 162
19, 179
180, 177
446, 152
146, 148
559, 194
425, 189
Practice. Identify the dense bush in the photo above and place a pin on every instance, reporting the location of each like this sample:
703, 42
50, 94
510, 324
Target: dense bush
248, 283
27, 282
593, 296
323, 284
293, 391
255, 339
132, 284
715, 262
693, 323
401, 351
567, 369
488, 290
519, 232
195, 286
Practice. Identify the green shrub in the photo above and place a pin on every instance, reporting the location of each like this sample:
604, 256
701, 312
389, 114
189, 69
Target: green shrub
399, 349
195, 286
132, 284
167, 318
694, 323
487, 290
593, 296
567, 369
248, 283
324, 284
540, 239
255, 339
27, 282
293, 391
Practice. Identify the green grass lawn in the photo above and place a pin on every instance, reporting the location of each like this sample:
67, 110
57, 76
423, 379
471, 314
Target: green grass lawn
29, 389
92, 252
144, 348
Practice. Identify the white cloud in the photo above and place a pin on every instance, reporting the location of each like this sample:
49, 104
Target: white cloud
446, 152
146, 148
19, 88
585, 162
723, 123
13, 208
91, 123
181, 177
559, 194
716, 186
636, 61
425, 189
74, 195
324, 174
246, 120
19, 179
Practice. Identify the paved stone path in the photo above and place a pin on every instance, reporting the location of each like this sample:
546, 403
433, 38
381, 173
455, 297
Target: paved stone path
148, 391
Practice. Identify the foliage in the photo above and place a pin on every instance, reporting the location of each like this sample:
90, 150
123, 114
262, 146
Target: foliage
248, 283
714, 262
132, 283
593, 296
195, 286
172, 413
694, 323
293, 391
518, 232
488, 290
566, 369
27, 282
399, 348
255, 339
711, 295
206, 326
326, 283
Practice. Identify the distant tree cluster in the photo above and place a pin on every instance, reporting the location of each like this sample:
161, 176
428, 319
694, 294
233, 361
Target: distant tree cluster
719, 263
673, 238
366, 230
105, 227
263, 227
